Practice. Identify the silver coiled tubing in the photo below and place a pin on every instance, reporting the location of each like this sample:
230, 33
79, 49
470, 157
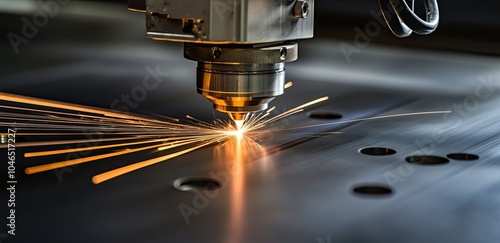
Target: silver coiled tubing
402, 20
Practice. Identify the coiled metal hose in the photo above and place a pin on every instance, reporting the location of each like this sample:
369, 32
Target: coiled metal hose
402, 20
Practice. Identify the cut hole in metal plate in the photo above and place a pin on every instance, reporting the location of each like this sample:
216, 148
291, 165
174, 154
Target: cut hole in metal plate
372, 190
377, 151
427, 160
463, 156
196, 184
326, 115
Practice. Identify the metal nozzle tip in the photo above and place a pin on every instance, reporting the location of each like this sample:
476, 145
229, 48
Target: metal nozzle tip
238, 119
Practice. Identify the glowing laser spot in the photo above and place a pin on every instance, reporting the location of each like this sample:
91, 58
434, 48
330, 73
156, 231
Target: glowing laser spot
238, 133
239, 124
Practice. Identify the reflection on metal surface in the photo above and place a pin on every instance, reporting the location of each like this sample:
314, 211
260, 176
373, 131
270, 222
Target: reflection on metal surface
463, 156
234, 156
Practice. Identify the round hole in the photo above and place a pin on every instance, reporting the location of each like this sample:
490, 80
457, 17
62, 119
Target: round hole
196, 184
216, 52
378, 151
463, 156
324, 115
283, 53
372, 190
427, 160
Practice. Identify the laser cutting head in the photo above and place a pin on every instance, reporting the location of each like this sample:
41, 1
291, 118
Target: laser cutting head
239, 79
241, 46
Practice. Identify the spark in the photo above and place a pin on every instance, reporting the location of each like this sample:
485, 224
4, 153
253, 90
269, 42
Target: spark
239, 124
163, 136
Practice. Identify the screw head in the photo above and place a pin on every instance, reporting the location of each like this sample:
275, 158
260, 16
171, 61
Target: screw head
301, 9
283, 53
216, 52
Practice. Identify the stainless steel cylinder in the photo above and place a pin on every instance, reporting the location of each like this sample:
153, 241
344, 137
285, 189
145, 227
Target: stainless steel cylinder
240, 88
239, 79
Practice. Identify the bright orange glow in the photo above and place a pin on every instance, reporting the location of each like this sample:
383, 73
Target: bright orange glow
234, 156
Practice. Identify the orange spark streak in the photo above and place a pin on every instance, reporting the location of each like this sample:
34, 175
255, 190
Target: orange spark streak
74, 150
182, 143
56, 165
296, 109
61, 142
127, 169
374, 118
67, 106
